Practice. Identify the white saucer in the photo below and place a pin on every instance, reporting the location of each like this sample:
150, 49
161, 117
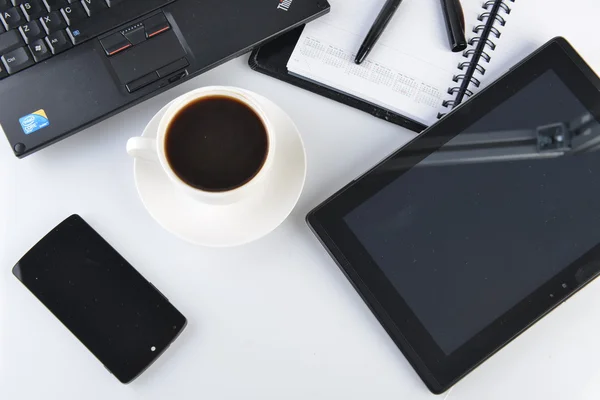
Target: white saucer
235, 224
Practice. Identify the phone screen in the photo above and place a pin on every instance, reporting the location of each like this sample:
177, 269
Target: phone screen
116, 313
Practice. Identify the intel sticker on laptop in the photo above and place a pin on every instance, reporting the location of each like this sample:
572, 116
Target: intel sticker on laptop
34, 122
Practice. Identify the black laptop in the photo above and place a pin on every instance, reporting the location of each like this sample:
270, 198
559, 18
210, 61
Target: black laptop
68, 64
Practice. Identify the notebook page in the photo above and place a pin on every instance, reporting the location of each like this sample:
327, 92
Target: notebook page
409, 70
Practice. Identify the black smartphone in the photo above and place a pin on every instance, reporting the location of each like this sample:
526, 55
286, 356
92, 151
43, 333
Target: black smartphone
108, 305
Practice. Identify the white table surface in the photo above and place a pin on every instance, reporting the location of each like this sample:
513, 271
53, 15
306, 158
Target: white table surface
274, 319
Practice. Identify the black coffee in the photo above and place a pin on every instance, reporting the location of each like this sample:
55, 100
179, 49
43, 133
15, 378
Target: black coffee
216, 144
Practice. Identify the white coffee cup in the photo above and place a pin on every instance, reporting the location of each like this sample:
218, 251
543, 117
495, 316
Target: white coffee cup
154, 149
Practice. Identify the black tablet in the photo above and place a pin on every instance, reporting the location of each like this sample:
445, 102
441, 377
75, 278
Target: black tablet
472, 232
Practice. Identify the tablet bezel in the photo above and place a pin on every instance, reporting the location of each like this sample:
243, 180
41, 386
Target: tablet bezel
438, 370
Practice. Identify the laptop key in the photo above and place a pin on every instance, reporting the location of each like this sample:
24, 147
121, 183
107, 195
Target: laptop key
5, 4
53, 22
33, 9
55, 5
17, 60
32, 31
12, 18
112, 3
58, 42
93, 7
39, 50
10, 41
3, 73
73, 13
76, 35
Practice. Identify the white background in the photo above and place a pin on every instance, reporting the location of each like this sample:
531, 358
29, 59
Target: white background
275, 319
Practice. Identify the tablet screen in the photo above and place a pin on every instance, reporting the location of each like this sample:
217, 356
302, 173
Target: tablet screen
498, 211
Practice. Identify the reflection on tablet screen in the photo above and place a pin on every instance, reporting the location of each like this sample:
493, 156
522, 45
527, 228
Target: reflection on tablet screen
502, 208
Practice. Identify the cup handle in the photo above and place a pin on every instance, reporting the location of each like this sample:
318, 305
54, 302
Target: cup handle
141, 147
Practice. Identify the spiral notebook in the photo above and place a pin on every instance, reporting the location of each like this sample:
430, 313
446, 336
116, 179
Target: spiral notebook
411, 77
411, 70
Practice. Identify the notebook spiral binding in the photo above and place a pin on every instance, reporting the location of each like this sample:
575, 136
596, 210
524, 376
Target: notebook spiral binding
493, 18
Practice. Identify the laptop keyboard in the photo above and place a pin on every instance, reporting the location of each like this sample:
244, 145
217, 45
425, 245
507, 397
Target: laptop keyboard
31, 31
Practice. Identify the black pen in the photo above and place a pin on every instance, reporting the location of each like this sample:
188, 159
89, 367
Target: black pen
455, 24
384, 17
